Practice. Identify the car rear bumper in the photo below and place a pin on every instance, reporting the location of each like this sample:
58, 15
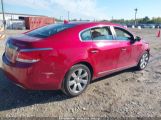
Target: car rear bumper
32, 77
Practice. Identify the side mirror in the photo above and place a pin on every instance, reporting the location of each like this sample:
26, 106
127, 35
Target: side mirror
137, 38
132, 40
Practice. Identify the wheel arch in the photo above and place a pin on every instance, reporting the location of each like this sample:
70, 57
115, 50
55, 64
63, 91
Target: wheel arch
83, 63
146, 50
89, 66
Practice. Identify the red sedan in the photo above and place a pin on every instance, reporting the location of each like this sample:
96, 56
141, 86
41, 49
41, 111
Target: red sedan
68, 56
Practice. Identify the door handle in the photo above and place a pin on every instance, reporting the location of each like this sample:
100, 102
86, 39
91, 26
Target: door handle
123, 49
94, 51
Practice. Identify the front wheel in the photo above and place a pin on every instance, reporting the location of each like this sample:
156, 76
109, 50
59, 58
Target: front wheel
76, 80
143, 61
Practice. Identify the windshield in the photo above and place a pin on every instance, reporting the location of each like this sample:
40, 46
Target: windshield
49, 30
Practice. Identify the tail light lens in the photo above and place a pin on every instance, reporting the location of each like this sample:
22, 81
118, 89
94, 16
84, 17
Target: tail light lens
31, 55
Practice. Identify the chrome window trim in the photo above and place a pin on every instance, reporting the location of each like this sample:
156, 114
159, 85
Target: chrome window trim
112, 31
35, 49
97, 26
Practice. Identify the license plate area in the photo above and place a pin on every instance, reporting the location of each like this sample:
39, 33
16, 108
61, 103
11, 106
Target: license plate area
11, 52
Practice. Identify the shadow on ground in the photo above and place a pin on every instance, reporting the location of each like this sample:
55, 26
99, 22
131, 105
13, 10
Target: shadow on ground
12, 96
130, 70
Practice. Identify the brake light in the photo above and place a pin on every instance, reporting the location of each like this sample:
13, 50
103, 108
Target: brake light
31, 55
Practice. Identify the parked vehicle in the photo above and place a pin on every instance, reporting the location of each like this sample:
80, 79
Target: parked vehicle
124, 25
68, 56
148, 25
129, 25
158, 26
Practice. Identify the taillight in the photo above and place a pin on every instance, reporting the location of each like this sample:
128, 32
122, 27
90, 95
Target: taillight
31, 55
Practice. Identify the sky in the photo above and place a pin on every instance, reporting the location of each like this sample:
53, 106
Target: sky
86, 9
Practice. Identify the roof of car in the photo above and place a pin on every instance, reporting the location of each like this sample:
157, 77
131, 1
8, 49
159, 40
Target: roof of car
93, 23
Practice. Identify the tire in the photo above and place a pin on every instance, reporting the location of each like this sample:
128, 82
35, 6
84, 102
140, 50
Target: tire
76, 80
143, 61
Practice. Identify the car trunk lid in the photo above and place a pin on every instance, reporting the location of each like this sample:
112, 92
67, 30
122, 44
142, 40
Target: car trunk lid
16, 43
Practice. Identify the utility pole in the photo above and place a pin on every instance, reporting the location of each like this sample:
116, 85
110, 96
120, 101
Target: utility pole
11, 21
136, 10
112, 18
61, 18
68, 16
4, 21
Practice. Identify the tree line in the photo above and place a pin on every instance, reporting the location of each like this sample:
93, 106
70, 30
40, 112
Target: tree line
145, 20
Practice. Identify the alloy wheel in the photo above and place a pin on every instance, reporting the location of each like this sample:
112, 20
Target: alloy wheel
144, 60
78, 80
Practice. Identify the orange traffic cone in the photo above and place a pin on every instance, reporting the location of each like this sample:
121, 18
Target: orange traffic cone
158, 34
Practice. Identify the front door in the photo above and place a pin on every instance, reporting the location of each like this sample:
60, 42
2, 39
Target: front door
125, 47
104, 51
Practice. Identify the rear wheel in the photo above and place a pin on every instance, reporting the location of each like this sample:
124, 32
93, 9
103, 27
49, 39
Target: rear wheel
76, 80
143, 61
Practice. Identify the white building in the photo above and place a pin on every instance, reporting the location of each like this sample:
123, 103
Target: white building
14, 20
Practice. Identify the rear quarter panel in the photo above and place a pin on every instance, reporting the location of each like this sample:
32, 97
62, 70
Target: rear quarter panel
69, 50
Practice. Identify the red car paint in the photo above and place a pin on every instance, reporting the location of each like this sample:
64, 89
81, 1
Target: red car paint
56, 54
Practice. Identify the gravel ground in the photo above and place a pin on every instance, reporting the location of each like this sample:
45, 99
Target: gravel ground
129, 93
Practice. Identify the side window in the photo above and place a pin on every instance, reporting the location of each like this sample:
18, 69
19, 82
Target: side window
86, 35
103, 33
122, 34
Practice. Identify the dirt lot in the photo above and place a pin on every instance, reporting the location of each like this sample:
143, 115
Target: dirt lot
129, 93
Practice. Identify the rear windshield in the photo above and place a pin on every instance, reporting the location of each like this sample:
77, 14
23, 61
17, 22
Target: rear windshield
49, 30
